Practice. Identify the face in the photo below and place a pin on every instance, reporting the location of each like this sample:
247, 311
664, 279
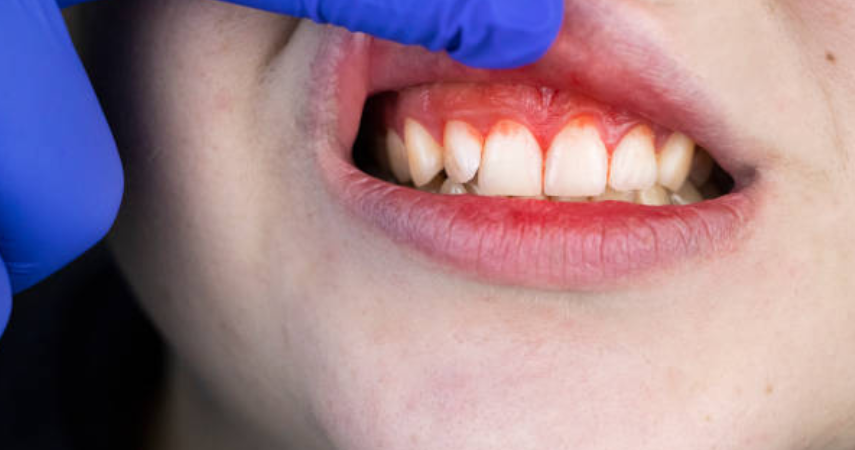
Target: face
309, 304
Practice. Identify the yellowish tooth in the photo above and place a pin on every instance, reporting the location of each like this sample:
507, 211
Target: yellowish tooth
512, 163
570, 199
675, 160
653, 196
434, 185
702, 166
450, 187
634, 161
617, 196
687, 195
423, 153
463, 145
577, 162
396, 154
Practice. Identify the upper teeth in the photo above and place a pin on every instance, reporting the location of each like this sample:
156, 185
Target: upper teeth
510, 162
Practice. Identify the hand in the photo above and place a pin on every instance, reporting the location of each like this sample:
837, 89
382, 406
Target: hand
60, 175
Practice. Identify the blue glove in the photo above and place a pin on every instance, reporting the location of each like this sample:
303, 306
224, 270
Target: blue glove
489, 34
60, 175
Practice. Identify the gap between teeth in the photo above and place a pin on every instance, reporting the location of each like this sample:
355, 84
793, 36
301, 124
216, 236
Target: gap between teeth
576, 167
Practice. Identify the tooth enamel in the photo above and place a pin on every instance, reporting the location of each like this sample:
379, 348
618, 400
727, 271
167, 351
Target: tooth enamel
570, 199
577, 162
634, 161
675, 160
702, 165
396, 153
687, 195
653, 196
613, 195
512, 163
423, 153
463, 145
450, 187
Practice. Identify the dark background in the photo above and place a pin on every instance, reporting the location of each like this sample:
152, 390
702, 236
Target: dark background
80, 365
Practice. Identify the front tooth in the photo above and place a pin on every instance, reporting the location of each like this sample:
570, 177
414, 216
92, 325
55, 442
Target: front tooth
570, 199
634, 161
450, 187
512, 163
577, 162
463, 144
396, 153
653, 196
687, 195
675, 160
423, 152
701, 169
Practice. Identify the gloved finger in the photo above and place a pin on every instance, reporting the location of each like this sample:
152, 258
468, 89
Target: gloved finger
60, 175
5, 299
480, 33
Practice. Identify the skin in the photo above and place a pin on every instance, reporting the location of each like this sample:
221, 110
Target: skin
293, 326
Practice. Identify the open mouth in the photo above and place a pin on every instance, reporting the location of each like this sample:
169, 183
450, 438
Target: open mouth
530, 142
597, 165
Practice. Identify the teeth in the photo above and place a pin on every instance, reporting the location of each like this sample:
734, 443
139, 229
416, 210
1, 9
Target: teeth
450, 187
577, 162
569, 199
423, 152
634, 161
687, 195
463, 144
396, 153
512, 163
702, 166
616, 196
653, 196
675, 160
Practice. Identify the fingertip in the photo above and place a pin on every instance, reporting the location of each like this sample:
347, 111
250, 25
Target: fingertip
508, 34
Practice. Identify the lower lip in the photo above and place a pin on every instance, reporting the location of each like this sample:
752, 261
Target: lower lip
531, 243
541, 244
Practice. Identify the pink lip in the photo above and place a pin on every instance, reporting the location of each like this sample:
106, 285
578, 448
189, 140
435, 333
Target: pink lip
542, 244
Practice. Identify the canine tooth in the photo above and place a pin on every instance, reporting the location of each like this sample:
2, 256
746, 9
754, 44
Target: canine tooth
702, 166
653, 196
450, 187
577, 162
613, 195
634, 161
675, 160
423, 152
463, 145
512, 163
687, 195
396, 154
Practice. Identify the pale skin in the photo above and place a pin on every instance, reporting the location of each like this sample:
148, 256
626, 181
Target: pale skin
293, 326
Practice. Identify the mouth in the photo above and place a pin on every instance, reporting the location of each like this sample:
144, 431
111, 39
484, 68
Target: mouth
601, 164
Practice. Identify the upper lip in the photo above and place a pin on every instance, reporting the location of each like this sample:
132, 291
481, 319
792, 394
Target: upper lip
605, 51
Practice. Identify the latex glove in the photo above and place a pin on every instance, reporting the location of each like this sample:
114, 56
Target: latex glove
490, 34
60, 176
